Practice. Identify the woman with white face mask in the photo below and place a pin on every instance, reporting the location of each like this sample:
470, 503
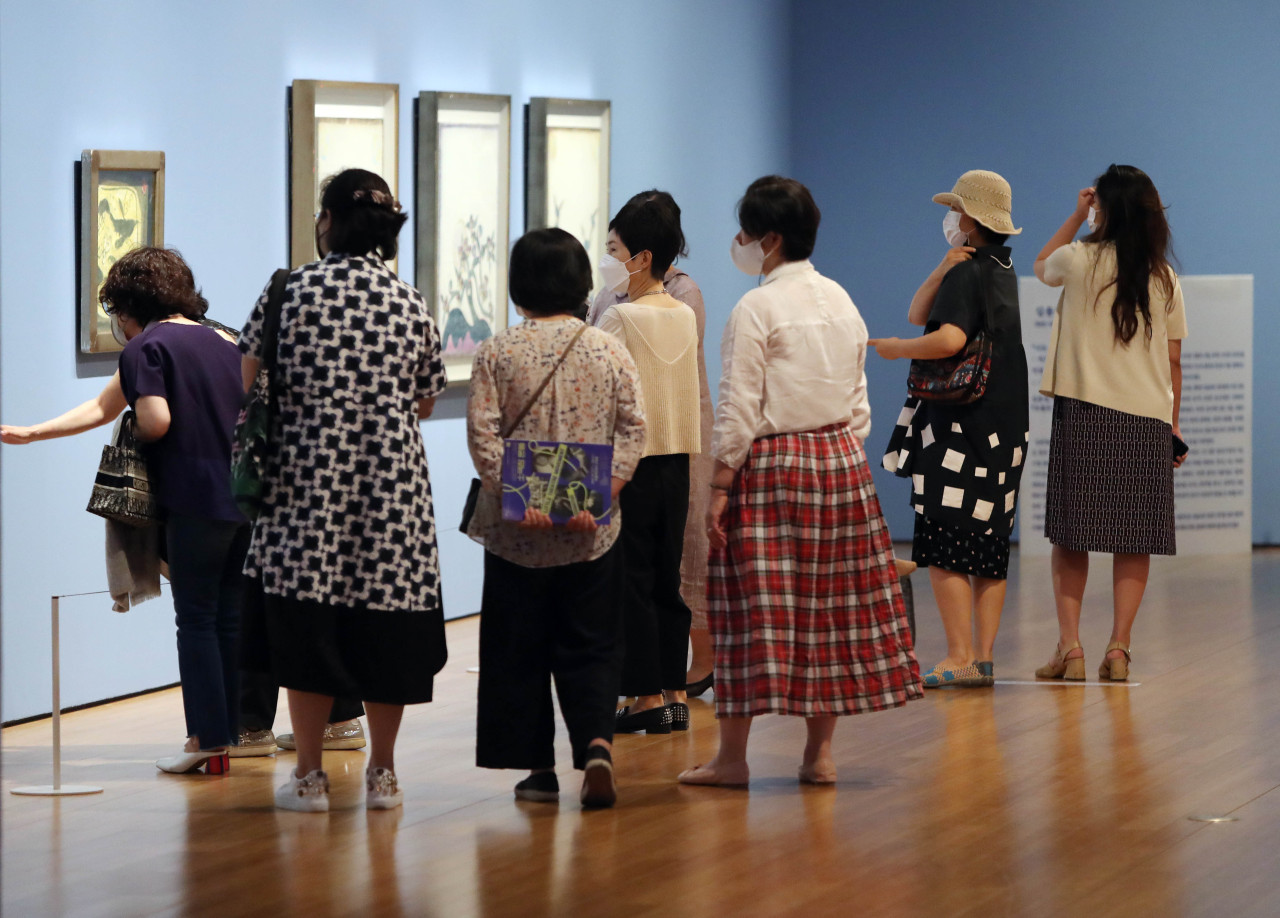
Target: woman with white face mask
965, 461
661, 333
693, 560
806, 614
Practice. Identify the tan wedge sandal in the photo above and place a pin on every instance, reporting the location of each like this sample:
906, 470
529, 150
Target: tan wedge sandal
1062, 668
1115, 668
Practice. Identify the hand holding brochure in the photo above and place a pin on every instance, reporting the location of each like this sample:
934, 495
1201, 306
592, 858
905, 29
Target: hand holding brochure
560, 479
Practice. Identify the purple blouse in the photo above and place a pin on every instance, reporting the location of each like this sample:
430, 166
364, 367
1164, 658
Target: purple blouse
197, 371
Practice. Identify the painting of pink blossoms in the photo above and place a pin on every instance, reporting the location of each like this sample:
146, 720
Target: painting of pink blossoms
467, 304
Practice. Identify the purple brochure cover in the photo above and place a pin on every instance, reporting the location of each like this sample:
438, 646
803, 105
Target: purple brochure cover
559, 479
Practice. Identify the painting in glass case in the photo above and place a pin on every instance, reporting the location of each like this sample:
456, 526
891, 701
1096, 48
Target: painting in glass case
567, 169
334, 126
462, 226
121, 209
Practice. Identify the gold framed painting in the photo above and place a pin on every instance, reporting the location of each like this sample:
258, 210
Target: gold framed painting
567, 170
121, 209
334, 126
463, 214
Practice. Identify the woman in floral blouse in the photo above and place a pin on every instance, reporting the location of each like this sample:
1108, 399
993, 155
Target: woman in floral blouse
551, 594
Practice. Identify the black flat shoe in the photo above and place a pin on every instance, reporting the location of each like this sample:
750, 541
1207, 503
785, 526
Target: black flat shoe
598, 788
541, 787
654, 720
694, 689
679, 715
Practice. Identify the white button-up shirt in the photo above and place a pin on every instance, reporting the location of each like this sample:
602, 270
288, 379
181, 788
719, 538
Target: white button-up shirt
793, 358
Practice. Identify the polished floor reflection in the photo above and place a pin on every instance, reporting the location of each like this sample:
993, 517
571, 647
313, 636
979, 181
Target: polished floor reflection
1020, 800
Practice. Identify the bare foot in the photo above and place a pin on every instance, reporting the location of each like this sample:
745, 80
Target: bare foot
644, 703
735, 774
822, 771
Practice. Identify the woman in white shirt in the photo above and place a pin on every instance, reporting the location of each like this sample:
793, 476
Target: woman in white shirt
1115, 375
804, 605
661, 334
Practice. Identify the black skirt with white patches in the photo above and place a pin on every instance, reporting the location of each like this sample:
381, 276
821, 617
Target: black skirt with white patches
1110, 483
965, 464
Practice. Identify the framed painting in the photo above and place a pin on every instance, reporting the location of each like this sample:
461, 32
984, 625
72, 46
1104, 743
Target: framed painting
463, 216
335, 126
567, 170
121, 209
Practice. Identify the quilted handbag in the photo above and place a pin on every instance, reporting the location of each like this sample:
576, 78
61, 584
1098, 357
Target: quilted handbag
122, 490
251, 446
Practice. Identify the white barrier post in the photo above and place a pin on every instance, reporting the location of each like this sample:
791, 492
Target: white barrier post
56, 789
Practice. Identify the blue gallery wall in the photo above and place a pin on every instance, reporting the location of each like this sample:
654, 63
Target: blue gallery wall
889, 108
206, 84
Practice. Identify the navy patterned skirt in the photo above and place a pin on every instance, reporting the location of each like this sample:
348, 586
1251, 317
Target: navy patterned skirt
963, 551
1110, 483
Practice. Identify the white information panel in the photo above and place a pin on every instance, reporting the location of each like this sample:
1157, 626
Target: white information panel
1213, 489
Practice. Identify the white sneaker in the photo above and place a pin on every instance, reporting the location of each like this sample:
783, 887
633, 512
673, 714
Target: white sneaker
305, 795
381, 790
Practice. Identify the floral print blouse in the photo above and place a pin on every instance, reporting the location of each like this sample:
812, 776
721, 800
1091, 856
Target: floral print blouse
594, 397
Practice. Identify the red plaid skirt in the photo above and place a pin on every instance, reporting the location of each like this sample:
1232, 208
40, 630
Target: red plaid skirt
804, 605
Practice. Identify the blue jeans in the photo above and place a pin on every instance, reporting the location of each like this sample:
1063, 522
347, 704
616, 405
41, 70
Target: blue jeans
206, 560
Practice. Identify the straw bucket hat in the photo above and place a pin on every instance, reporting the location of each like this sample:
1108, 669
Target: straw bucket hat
985, 197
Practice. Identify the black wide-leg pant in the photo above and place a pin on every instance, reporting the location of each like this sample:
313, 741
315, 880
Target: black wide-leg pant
539, 624
655, 505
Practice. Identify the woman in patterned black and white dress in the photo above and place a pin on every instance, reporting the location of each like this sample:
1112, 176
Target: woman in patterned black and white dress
965, 461
345, 548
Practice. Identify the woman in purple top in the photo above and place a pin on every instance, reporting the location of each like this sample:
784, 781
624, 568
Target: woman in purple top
183, 382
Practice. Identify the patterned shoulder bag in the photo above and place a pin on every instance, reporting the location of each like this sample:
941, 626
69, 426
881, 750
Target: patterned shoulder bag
122, 490
960, 379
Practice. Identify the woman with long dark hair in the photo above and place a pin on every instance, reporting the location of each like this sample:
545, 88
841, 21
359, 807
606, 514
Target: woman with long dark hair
1115, 376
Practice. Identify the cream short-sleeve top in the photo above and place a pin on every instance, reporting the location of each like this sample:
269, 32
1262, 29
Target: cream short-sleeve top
1085, 360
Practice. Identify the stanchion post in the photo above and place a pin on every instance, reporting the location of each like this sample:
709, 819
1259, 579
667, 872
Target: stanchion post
56, 789
57, 695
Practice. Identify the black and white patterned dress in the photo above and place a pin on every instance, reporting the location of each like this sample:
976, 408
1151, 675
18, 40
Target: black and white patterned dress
347, 535
965, 461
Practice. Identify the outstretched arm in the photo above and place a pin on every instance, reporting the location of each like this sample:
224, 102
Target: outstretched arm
946, 341
102, 409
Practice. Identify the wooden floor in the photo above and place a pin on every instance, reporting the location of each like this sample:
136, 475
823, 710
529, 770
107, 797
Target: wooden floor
1022, 800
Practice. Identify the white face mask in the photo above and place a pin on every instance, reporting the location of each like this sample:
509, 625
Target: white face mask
614, 273
749, 258
1093, 220
117, 332
951, 229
